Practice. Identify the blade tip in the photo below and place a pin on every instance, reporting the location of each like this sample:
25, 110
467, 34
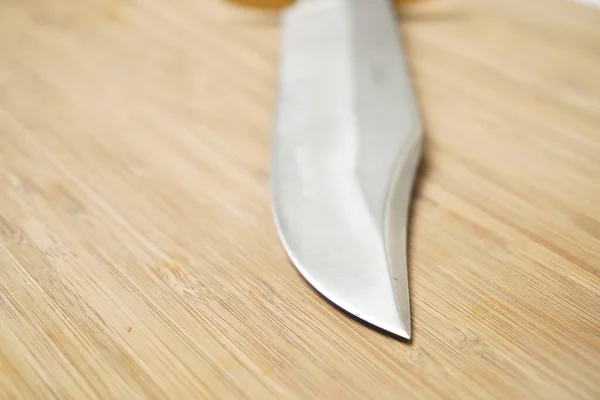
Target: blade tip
400, 330
402, 333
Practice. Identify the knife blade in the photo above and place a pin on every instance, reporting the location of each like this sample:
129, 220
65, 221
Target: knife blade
347, 141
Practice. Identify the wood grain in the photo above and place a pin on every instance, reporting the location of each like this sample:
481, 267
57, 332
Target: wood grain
137, 250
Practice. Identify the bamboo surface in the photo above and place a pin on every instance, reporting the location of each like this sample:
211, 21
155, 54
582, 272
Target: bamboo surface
138, 256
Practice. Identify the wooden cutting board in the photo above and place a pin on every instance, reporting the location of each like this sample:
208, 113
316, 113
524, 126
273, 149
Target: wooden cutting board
138, 256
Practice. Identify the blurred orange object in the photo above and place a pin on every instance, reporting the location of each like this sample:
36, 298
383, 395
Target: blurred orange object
263, 3
284, 3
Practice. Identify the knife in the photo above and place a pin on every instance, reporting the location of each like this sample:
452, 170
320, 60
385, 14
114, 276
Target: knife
346, 145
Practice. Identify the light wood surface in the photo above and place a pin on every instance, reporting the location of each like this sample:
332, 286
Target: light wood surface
138, 256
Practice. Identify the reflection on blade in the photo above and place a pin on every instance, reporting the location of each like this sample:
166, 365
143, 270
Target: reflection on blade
346, 144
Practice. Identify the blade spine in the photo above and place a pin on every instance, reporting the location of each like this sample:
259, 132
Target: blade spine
414, 143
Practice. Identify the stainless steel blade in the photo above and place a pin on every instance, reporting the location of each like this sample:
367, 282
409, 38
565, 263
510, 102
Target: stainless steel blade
346, 145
